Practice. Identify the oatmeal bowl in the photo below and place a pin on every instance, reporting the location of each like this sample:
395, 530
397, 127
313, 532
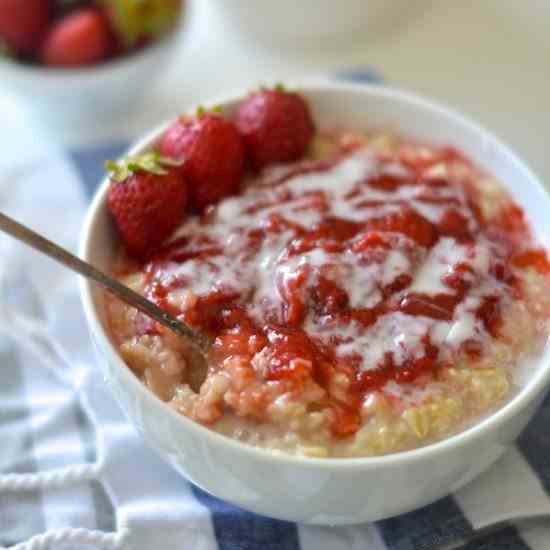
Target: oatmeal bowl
371, 271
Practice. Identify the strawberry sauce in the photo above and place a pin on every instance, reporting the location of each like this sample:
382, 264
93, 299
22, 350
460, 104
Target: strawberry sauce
367, 269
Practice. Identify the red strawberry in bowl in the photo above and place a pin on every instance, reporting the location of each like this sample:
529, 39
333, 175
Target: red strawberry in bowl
23, 24
212, 153
148, 199
276, 126
81, 38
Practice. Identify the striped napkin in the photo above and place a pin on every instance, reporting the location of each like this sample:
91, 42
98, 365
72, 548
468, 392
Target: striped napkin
74, 474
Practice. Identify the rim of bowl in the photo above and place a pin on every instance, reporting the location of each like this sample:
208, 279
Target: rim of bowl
527, 393
92, 72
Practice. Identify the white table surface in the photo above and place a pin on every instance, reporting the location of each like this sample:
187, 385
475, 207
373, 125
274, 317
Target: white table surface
488, 58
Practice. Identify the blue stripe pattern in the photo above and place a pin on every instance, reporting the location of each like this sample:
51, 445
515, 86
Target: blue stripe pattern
534, 444
429, 527
506, 539
366, 76
239, 530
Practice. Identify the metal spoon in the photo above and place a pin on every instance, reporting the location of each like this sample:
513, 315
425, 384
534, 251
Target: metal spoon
62, 256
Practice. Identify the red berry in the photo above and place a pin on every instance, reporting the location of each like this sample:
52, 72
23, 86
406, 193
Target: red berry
370, 240
437, 306
409, 223
490, 314
23, 24
81, 38
512, 220
454, 224
147, 198
536, 258
276, 126
212, 153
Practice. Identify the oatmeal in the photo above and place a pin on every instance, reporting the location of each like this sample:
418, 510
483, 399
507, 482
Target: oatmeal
375, 296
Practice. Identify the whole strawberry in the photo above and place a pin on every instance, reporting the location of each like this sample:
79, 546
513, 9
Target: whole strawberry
276, 126
148, 199
82, 37
23, 24
212, 153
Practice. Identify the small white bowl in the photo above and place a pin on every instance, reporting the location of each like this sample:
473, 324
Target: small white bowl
331, 491
86, 98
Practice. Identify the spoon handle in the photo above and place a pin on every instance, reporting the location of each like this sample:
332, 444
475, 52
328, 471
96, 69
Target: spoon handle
60, 255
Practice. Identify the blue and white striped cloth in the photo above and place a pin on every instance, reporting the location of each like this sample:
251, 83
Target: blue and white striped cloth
55, 412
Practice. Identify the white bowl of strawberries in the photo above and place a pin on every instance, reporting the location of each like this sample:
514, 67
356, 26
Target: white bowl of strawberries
75, 63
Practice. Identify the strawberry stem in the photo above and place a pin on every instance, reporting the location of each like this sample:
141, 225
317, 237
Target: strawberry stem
152, 163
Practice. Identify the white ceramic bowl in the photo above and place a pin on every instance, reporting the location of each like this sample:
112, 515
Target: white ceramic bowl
87, 98
331, 491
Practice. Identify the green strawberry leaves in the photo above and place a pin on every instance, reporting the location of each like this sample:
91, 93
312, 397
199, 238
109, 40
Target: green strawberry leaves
278, 87
201, 111
151, 163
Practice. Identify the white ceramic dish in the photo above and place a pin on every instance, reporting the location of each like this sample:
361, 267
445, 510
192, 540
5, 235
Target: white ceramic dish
80, 99
331, 491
